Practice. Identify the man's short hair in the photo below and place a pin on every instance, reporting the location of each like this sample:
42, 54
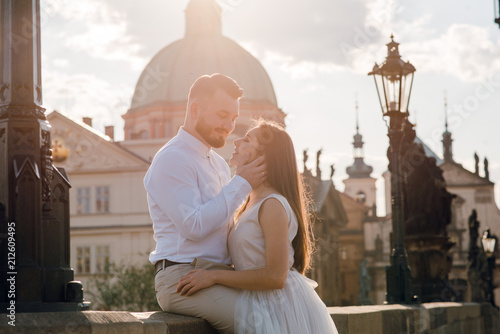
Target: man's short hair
207, 85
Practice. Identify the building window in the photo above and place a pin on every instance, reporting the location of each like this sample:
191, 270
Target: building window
102, 259
83, 260
102, 199
83, 200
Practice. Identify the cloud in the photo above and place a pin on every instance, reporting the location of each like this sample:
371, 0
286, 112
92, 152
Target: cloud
338, 35
298, 70
296, 27
105, 30
86, 95
60, 62
464, 51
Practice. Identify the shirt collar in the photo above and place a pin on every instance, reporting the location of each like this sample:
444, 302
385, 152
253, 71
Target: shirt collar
194, 142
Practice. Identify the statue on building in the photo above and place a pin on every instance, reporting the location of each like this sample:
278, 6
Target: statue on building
307, 171
364, 281
486, 171
332, 171
318, 170
476, 159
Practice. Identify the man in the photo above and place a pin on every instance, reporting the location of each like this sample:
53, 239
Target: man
192, 198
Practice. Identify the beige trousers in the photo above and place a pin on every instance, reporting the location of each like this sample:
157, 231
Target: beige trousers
214, 304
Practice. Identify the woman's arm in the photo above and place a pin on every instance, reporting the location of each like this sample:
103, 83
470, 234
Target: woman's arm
274, 222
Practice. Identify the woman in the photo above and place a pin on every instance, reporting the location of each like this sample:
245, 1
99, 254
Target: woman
270, 246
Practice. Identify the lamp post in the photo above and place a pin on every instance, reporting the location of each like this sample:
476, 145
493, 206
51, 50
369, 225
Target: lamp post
35, 273
489, 242
393, 80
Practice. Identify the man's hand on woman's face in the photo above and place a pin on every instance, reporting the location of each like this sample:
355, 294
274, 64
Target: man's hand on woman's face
254, 172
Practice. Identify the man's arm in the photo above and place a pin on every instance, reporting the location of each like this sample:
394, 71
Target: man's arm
172, 183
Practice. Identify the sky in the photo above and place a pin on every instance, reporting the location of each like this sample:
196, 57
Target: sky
317, 54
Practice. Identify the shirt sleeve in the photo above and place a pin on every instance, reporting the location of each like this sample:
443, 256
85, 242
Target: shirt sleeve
172, 183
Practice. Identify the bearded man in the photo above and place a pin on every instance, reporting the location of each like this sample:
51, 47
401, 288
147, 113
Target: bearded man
192, 198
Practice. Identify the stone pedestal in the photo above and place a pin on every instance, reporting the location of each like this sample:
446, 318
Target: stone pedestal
430, 264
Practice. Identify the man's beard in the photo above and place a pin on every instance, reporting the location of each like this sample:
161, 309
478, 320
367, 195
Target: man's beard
206, 133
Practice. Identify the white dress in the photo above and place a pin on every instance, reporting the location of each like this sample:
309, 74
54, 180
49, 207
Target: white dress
296, 308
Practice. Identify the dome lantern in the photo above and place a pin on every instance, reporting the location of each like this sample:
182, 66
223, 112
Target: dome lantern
203, 17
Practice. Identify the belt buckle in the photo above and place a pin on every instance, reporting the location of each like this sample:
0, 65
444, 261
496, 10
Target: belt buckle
162, 265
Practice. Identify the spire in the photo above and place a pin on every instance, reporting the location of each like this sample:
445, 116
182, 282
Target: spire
203, 17
357, 113
358, 169
447, 141
358, 139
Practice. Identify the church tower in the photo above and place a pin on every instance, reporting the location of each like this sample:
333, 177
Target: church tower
360, 185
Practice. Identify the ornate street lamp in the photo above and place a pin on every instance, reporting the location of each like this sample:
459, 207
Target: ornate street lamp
393, 80
489, 242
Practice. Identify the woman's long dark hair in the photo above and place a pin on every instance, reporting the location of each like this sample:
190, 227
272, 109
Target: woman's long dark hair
283, 175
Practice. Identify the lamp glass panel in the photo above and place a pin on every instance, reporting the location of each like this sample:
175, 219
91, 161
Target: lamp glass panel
406, 83
392, 87
379, 83
386, 91
488, 245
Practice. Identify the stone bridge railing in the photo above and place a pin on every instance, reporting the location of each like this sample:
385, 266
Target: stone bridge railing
430, 318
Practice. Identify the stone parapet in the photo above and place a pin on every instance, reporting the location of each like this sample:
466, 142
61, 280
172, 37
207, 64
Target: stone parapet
429, 318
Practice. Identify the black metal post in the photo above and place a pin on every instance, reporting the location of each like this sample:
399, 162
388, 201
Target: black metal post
34, 195
398, 274
491, 292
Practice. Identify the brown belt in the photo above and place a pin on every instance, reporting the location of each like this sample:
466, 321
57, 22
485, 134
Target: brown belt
162, 264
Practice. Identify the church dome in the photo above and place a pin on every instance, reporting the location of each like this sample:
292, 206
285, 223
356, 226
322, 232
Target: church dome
203, 50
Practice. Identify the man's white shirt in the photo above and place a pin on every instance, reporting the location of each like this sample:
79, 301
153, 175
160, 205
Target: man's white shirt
192, 199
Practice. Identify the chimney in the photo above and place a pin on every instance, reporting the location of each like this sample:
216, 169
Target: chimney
87, 120
109, 131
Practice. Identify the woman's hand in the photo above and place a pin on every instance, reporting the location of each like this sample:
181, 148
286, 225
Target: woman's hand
195, 280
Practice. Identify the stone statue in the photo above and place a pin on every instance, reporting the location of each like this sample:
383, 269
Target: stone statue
427, 203
307, 172
364, 281
486, 171
332, 171
477, 263
426, 212
318, 170
473, 232
476, 159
